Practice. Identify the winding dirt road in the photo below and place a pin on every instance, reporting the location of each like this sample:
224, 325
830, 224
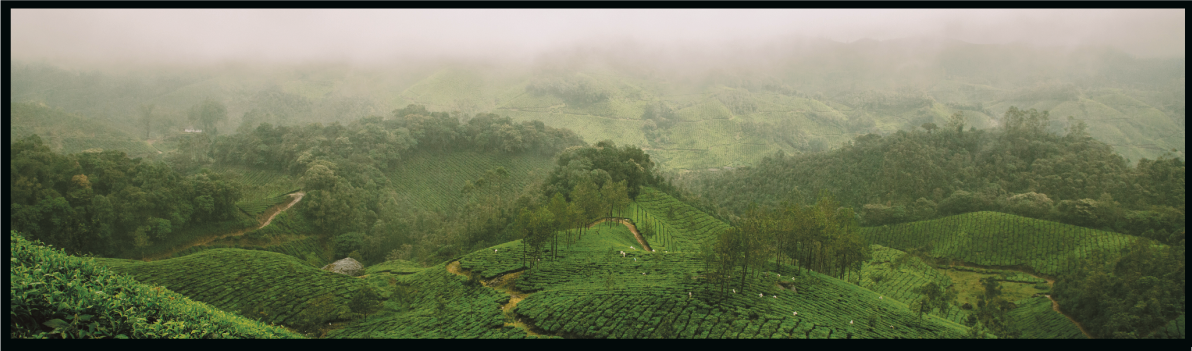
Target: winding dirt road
628, 224
267, 217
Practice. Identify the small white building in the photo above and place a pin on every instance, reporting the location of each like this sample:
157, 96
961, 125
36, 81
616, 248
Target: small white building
192, 130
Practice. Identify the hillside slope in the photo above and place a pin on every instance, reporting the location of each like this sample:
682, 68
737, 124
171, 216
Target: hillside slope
268, 286
54, 295
999, 239
68, 133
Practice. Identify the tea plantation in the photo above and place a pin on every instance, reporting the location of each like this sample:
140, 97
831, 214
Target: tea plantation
592, 291
54, 295
435, 303
271, 287
1035, 319
999, 239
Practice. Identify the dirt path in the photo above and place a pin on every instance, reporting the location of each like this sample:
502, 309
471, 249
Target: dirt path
502, 283
628, 224
267, 215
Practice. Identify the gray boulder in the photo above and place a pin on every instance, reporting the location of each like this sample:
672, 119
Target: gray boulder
346, 266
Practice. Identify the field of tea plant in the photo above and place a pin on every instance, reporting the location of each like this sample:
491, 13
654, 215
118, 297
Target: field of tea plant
267, 286
999, 239
54, 295
593, 291
434, 303
680, 226
1035, 318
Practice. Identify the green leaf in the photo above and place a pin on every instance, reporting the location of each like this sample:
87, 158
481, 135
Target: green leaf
121, 336
85, 317
57, 324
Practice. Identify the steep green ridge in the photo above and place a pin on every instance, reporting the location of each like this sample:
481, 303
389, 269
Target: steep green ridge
54, 295
432, 181
1036, 319
999, 239
68, 133
268, 286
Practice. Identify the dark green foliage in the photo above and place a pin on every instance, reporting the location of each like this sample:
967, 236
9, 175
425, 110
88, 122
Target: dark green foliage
53, 295
260, 285
107, 203
1128, 295
601, 164
1022, 168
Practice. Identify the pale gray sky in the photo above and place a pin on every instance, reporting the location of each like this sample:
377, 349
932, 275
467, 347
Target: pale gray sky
275, 35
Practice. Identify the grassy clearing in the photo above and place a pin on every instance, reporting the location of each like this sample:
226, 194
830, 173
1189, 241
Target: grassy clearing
54, 295
265, 286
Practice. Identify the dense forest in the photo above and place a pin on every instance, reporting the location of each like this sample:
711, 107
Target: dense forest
936, 171
104, 202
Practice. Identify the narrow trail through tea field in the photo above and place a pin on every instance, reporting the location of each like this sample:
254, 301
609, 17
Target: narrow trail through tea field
264, 220
628, 224
502, 283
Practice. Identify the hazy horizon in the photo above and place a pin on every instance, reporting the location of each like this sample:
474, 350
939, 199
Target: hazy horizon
303, 36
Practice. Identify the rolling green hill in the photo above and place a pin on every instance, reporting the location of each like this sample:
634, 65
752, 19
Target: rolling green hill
998, 239
68, 133
261, 285
728, 115
54, 295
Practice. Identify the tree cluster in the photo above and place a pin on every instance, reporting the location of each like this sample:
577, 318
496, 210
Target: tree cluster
603, 164
822, 238
1131, 297
105, 202
1020, 168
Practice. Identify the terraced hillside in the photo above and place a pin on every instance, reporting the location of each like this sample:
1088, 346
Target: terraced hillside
54, 295
672, 223
999, 239
267, 286
1036, 319
592, 291
433, 303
